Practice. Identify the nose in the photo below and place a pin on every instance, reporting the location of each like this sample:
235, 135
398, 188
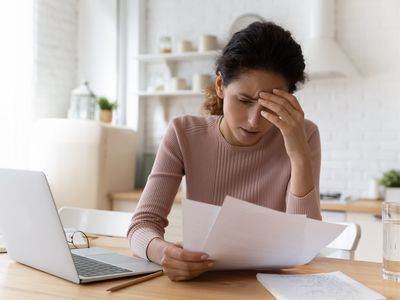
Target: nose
254, 116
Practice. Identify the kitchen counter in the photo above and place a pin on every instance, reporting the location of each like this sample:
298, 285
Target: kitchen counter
135, 196
371, 206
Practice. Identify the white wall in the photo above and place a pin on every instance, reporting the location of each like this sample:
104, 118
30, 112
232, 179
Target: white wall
358, 118
97, 46
55, 62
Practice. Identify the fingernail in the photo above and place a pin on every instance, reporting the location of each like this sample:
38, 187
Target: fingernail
210, 264
275, 91
204, 257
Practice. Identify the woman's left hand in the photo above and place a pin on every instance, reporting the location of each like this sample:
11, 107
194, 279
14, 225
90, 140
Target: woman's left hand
285, 112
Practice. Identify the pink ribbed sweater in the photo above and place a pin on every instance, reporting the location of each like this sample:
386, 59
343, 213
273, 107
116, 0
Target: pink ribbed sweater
194, 146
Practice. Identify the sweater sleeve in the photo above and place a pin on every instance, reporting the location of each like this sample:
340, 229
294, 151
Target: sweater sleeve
150, 217
309, 204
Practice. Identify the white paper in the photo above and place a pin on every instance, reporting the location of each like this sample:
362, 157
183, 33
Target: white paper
242, 235
198, 219
324, 286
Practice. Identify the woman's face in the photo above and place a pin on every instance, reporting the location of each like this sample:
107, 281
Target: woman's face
243, 124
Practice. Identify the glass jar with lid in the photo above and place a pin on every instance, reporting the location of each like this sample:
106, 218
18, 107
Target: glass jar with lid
165, 44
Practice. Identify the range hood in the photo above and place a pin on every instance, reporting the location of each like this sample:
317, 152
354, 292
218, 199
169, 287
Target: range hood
324, 57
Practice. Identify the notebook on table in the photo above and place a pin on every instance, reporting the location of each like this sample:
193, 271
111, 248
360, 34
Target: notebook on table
34, 235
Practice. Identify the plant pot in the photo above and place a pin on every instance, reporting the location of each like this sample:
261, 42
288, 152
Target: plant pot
392, 194
106, 116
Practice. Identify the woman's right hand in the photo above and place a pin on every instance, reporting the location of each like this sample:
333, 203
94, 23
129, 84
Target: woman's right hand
180, 264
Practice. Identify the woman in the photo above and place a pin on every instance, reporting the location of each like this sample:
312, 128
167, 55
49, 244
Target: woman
255, 145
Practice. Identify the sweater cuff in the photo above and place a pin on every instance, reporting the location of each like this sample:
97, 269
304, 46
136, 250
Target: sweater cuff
140, 240
307, 205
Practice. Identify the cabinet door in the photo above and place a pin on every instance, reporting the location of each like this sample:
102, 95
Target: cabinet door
370, 245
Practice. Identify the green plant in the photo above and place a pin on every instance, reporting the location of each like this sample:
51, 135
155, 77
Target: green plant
390, 178
105, 104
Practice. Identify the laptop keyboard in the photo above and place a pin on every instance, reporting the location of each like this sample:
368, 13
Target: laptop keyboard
89, 267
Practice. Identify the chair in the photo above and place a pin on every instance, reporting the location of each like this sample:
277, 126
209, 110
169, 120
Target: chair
345, 245
95, 221
83, 160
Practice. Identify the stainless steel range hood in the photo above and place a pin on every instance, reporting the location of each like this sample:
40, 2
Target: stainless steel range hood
324, 57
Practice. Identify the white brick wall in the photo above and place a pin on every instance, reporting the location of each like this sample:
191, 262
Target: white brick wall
55, 56
358, 118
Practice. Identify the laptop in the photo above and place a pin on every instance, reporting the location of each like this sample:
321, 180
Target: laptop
34, 236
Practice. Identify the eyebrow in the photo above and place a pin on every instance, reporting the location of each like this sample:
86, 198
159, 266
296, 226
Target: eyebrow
248, 97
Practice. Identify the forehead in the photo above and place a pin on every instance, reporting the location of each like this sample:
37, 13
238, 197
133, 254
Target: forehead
255, 81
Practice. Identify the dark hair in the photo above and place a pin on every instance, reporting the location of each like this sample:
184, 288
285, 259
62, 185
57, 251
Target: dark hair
260, 46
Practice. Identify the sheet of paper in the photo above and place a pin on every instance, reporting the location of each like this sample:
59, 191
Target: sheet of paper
324, 286
248, 236
198, 218
242, 235
318, 235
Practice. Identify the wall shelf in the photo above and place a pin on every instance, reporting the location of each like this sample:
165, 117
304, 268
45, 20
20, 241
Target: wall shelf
169, 93
177, 56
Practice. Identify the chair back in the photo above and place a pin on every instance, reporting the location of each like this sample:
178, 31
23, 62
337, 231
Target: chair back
345, 245
95, 221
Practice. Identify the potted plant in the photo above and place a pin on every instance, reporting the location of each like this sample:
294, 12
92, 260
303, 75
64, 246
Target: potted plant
106, 108
391, 181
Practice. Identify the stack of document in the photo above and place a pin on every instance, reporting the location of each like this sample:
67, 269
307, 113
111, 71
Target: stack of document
242, 235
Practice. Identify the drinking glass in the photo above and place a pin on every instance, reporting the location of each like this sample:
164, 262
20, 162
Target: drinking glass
391, 241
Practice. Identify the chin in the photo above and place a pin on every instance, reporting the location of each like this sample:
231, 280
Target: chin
246, 141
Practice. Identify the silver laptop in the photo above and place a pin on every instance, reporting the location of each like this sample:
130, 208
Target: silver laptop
34, 235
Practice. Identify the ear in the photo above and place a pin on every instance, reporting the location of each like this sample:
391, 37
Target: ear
219, 85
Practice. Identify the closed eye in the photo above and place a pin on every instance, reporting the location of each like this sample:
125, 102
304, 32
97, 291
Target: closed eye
246, 101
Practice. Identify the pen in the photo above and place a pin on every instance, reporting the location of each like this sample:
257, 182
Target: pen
134, 281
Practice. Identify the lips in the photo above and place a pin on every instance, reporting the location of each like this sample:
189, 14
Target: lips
249, 132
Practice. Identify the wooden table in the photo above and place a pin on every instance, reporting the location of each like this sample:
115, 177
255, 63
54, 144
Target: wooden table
20, 282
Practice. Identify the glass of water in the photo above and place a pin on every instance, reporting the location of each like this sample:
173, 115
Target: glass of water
391, 241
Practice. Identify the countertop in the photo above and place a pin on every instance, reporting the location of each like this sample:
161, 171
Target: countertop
361, 205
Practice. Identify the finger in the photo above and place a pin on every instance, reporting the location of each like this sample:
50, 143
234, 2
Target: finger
177, 253
186, 274
278, 110
179, 244
171, 263
290, 97
267, 97
278, 122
